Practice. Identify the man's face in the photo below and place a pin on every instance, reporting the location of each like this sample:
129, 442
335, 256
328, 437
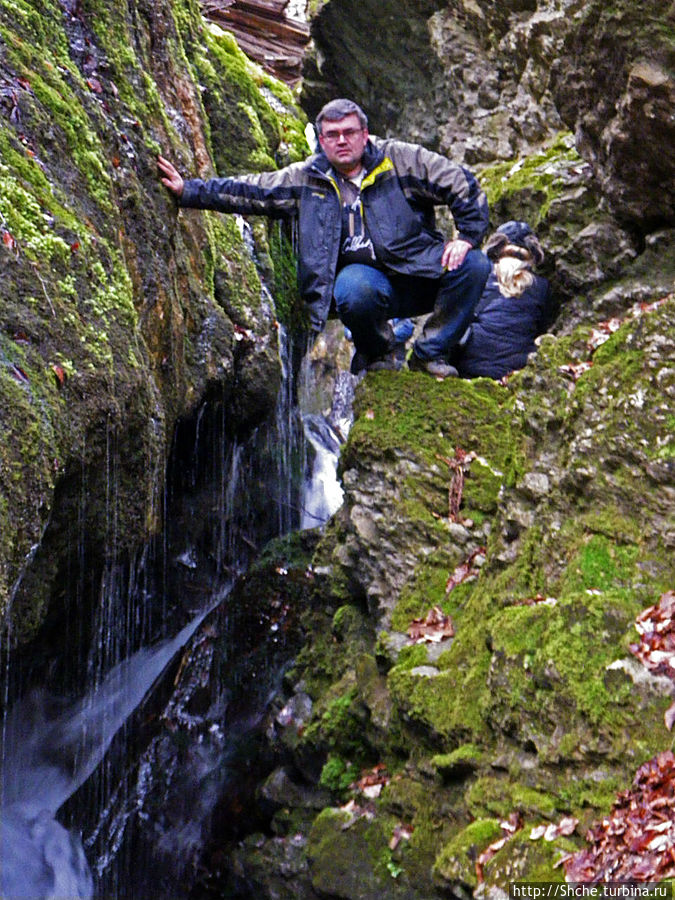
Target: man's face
343, 142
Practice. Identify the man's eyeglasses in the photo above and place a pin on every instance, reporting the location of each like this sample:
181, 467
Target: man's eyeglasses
347, 133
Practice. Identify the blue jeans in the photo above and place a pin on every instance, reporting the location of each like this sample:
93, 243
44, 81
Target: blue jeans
366, 299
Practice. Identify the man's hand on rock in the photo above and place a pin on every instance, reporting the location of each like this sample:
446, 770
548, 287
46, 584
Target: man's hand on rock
172, 178
455, 253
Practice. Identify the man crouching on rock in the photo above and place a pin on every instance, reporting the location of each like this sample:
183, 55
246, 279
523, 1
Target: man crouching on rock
366, 236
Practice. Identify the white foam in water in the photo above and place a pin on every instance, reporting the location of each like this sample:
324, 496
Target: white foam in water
322, 493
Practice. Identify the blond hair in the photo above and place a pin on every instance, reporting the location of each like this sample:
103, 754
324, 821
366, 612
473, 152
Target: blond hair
514, 274
513, 263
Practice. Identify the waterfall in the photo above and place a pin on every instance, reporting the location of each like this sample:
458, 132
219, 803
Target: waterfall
65, 762
322, 494
50, 750
326, 424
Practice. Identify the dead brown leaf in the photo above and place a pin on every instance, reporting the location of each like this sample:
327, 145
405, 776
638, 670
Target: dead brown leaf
433, 628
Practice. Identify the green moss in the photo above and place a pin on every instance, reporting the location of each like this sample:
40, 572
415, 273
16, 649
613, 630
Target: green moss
411, 656
449, 705
541, 175
40, 27
52, 87
456, 860
523, 858
244, 129
578, 793
399, 422
460, 761
427, 588
490, 796
290, 309
356, 857
338, 725
600, 564
338, 774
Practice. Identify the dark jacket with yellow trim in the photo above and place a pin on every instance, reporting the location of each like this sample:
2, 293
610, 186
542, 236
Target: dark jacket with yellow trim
403, 183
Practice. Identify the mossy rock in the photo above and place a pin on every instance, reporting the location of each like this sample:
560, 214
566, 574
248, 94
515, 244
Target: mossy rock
350, 858
455, 865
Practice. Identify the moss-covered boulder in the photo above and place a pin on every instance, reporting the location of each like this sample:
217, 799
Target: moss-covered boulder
535, 711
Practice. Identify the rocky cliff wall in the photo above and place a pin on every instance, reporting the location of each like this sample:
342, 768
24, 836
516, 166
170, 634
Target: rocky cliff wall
117, 315
492, 85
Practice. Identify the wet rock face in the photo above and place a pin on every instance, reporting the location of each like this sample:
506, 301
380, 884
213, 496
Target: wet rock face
118, 313
614, 85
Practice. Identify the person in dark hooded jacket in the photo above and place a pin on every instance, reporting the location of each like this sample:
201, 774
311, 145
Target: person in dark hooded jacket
516, 306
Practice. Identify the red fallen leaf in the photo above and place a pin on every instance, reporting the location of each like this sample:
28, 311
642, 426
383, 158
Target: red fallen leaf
459, 464
8, 240
356, 812
75, 246
465, 570
636, 841
567, 825
433, 628
60, 374
95, 85
575, 370
18, 374
401, 833
650, 307
241, 334
537, 599
490, 851
513, 823
509, 827
116, 162
372, 781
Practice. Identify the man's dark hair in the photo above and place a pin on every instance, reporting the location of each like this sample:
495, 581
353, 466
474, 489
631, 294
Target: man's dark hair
335, 110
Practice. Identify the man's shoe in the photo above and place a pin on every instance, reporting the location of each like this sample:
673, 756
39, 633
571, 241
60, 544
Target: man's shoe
393, 361
438, 367
359, 363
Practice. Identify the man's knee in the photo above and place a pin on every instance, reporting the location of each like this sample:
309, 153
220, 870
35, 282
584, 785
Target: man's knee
478, 265
358, 290
469, 279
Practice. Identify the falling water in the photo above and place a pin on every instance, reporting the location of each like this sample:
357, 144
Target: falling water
69, 758
326, 424
322, 494
50, 750
72, 801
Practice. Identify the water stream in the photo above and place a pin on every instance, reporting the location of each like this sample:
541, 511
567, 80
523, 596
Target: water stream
59, 773
50, 749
